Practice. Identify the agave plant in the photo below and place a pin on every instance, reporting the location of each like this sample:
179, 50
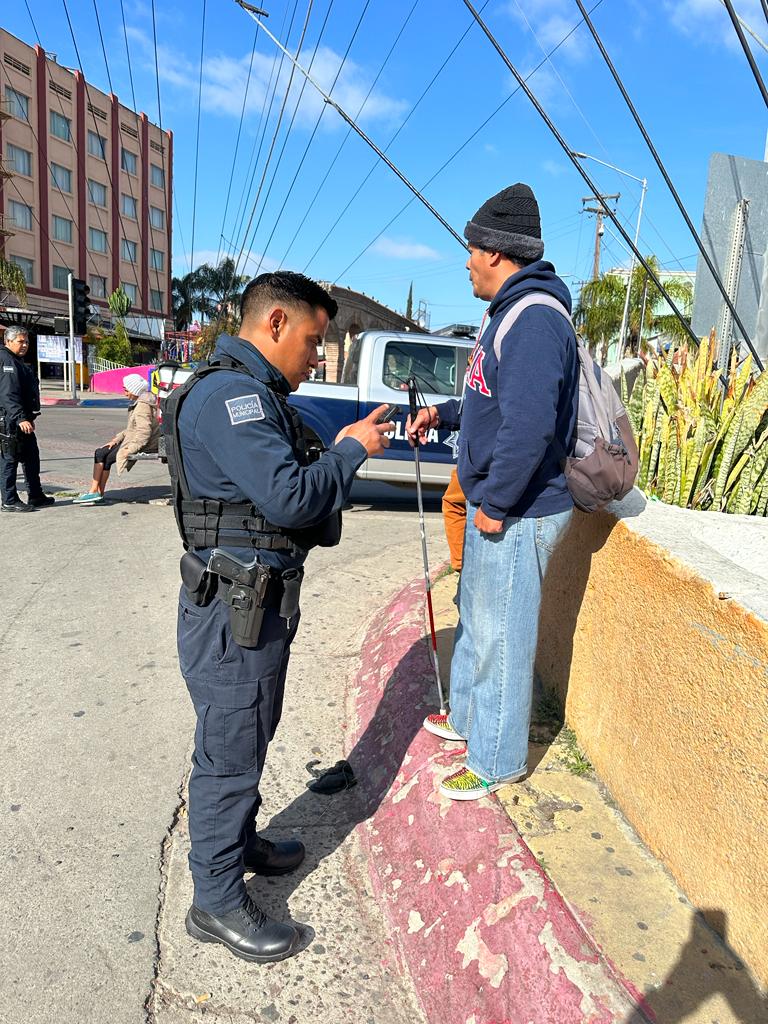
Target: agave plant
700, 447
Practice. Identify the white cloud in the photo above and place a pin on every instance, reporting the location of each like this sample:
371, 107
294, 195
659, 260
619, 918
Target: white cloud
551, 21
554, 168
401, 249
225, 79
707, 22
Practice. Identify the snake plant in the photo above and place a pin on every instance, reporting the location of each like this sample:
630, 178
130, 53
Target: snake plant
702, 447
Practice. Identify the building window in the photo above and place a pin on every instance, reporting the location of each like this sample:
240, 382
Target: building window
129, 251
16, 103
61, 278
128, 161
98, 286
20, 214
157, 218
156, 300
97, 145
157, 176
61, 178
19, 160
97, 240
27, 267
97, 193
62, 229
61, 126
131, 291
157, 259
129, 206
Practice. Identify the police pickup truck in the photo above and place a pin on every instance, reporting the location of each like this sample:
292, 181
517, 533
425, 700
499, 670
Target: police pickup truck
376, 369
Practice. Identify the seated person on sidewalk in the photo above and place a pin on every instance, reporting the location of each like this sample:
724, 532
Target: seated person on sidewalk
140, 435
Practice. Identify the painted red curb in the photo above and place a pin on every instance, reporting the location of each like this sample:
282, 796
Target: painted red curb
480, 927
46, 400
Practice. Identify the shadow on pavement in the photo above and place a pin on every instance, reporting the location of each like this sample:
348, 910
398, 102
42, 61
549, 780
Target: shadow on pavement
693, 980
325, 822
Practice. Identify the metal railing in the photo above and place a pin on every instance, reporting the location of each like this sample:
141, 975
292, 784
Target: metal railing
101, 365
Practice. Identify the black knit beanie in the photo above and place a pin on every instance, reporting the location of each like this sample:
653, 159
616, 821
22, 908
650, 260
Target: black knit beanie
509, 223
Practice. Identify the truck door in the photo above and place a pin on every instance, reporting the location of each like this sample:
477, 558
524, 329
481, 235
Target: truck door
438, 366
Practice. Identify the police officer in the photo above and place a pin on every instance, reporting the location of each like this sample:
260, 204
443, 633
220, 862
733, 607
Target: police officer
246, 491
19, 407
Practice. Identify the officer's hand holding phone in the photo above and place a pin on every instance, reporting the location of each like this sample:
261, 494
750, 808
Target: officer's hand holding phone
370, 432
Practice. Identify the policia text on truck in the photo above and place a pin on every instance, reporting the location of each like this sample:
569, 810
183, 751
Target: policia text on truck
251, 499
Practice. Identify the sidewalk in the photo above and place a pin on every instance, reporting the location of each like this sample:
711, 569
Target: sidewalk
540, 906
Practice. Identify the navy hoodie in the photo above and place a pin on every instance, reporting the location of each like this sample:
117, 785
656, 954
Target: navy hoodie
519, 413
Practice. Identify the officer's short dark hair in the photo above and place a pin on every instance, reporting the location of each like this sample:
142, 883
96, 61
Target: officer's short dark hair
284, 287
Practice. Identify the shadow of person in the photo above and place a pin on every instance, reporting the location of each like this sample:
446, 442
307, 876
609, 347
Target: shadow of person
706, 967
324, 822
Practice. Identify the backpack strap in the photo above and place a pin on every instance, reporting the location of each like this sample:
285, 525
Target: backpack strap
532, 299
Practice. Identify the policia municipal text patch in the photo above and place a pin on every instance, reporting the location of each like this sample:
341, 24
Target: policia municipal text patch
245, 409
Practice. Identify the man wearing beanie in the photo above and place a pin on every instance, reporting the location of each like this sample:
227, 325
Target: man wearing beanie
517, 422
140, 435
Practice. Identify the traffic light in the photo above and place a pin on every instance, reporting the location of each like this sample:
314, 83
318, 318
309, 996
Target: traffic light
80, 306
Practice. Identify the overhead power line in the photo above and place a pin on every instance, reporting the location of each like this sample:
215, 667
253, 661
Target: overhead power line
237, 144
316, 192
250, 10
736, 21
550, 124
197, 133
463, 146
670, 186
389, 145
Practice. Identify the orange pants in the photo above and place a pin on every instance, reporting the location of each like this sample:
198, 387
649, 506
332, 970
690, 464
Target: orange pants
455, 519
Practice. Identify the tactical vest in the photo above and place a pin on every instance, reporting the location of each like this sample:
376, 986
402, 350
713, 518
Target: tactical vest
202, 521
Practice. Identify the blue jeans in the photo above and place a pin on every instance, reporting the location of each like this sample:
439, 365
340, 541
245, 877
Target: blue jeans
495, 648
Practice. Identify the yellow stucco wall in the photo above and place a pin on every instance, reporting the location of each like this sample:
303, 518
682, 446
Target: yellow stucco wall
666, 687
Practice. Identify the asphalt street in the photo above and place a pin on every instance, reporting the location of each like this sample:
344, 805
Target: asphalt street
98, 729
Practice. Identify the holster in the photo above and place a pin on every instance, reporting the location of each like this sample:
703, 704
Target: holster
198, 582
10, 445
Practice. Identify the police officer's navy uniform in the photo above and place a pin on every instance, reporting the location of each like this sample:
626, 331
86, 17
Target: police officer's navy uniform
19, 401
239, 444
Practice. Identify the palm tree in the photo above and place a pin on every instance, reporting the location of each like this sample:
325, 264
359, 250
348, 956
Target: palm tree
186, 295
220, 286
601, 306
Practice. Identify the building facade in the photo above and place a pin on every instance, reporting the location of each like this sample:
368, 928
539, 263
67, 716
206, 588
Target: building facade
85, 187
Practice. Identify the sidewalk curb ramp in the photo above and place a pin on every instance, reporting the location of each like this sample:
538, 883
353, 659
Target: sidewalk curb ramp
475, 919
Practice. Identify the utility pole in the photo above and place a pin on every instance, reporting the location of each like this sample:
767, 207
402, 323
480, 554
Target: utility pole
599, 212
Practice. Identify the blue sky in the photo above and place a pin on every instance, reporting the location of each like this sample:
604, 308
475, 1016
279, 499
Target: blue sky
680, 61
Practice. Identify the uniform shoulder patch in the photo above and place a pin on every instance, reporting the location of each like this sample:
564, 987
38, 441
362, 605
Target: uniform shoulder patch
8, 369
245, 409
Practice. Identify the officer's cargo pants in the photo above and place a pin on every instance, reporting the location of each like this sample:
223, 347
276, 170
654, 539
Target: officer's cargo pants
28, 454
238, 697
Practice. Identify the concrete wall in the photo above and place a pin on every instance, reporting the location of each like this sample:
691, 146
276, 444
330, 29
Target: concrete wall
654, 632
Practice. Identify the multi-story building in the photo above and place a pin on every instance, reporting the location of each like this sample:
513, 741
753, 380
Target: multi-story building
85, 186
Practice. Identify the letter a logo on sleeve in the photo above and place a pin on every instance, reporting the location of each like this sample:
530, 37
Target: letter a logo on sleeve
246, 409
475, 376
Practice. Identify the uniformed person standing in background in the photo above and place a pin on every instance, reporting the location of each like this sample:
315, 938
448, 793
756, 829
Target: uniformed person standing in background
247, 491
19, 407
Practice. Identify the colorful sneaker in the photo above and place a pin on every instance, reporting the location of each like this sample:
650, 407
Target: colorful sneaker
87, 499
465, 785
439, 725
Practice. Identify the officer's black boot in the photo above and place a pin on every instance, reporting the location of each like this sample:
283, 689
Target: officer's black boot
263, 857
247, 932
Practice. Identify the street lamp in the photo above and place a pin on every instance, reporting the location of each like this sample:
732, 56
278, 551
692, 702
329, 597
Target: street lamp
644, 183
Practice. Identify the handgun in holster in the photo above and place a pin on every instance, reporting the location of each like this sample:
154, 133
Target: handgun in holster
245, 587
9, 441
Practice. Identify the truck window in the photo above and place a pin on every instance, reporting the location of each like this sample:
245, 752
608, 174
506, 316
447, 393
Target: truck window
433, 366
352, 363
